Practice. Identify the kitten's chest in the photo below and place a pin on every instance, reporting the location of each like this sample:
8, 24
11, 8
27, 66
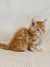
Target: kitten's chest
36, 42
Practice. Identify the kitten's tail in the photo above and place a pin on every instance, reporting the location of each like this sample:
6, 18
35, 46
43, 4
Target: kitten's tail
4, 46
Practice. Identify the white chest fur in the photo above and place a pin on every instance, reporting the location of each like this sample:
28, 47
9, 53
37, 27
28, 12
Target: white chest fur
37, 42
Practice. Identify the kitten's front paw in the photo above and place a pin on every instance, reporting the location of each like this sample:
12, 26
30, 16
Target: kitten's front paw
32, 49
40, 49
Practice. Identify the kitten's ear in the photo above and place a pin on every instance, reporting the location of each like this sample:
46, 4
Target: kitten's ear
44, 21
33, 22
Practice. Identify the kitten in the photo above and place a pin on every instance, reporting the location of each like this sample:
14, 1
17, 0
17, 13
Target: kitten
26, 38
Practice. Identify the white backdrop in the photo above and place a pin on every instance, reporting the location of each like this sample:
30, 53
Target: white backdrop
18, 13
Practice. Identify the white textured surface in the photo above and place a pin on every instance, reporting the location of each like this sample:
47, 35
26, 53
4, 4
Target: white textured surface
18, 13
24, 59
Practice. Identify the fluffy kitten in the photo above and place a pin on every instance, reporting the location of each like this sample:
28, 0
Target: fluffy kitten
26, 38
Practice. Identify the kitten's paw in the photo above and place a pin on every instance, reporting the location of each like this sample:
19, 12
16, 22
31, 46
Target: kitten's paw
32, 49
25, 50
40, 49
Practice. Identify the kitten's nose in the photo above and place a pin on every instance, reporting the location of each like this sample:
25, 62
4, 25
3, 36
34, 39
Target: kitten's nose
40, 33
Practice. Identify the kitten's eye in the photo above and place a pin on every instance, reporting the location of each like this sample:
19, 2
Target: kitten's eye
37, 29
42, 29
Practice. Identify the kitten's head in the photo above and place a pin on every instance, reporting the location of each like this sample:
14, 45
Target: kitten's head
37, 28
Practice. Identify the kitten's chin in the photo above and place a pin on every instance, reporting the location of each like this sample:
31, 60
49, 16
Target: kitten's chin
39, 36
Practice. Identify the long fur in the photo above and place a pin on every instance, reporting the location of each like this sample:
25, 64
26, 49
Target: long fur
24, 38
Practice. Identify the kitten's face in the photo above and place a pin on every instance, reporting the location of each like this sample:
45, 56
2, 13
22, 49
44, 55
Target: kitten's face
37, 28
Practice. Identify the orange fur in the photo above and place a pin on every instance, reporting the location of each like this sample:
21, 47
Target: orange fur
24, 38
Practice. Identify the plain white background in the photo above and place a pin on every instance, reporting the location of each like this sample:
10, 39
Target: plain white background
18, 13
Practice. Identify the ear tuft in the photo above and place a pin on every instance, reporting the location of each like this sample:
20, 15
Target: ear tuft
45, 20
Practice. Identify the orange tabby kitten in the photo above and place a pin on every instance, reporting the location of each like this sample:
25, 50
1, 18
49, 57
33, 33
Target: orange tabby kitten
26, 38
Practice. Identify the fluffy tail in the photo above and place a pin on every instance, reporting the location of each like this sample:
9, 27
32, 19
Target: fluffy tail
4, 46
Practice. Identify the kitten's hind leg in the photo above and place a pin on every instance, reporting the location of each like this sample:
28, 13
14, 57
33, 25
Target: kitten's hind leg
20, 49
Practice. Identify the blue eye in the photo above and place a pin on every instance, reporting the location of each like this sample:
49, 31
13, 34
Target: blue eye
37, 29
42, 29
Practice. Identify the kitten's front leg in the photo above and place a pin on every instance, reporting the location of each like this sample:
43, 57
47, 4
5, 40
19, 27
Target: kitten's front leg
30, 43
38, 48
31, 46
